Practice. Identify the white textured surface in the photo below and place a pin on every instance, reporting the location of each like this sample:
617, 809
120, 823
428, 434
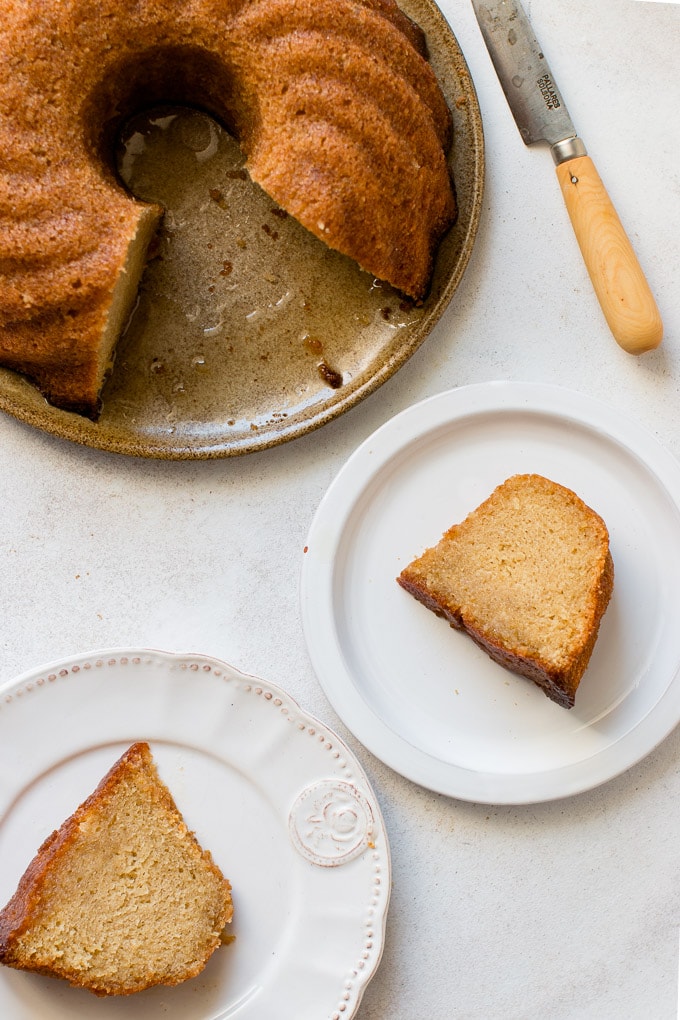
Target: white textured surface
567, 911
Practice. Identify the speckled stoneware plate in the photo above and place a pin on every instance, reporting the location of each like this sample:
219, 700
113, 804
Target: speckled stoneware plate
249, 331
280, 801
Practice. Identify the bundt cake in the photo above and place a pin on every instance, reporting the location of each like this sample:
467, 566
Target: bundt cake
333, 102
527, 575
121, 897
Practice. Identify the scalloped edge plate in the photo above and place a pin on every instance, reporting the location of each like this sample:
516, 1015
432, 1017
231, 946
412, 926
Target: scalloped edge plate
277, 797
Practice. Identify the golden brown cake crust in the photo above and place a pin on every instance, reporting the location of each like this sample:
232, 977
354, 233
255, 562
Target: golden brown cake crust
20, 912
558, 675
337, 110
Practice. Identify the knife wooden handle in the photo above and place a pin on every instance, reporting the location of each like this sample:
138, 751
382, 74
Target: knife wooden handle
620, 284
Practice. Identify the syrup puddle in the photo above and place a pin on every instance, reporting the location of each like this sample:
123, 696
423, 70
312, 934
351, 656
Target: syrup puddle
236, 288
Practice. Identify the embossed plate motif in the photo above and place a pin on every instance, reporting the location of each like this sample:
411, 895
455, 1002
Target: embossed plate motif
276, 796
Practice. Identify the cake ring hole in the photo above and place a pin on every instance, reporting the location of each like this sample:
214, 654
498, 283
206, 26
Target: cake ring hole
174, 140
172, 77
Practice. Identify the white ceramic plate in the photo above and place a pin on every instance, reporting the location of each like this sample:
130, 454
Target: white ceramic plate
280, 801
423, 697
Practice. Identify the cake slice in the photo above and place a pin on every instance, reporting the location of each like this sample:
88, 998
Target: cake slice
121, 897
528, 575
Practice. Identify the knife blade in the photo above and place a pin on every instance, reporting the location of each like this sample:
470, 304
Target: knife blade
541, 116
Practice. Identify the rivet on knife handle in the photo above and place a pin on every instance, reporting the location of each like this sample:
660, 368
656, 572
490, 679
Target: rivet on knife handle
541, 116
620, 285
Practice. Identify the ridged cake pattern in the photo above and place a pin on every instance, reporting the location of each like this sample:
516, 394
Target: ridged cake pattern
334, 104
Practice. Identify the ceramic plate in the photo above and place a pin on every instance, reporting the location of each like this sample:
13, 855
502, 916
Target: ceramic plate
248, 331
280, 801
423, 697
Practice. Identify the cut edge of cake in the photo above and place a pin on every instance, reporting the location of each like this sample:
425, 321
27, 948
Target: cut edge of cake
32, 907
559, 675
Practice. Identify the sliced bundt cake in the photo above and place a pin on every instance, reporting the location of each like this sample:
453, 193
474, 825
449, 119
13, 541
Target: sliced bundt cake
121, 897
528, 575
333, 102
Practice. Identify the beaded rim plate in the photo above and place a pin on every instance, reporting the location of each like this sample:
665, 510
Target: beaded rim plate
279, 800
249, 332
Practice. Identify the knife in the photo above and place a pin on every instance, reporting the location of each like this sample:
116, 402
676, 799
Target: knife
538, 108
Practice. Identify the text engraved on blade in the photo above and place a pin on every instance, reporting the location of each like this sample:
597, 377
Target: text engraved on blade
549, 93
